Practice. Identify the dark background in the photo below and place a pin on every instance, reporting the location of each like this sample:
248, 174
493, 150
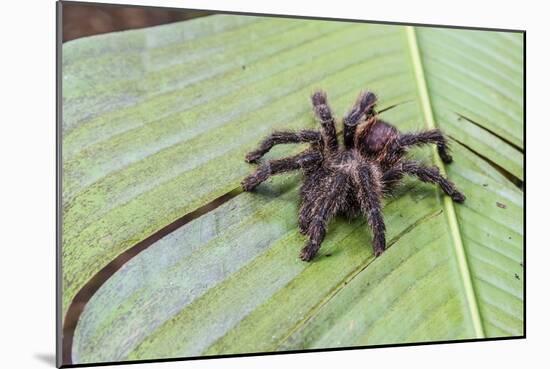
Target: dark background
81, 20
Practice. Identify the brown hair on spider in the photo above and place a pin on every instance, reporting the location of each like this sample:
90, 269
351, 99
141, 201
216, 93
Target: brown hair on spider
349, 179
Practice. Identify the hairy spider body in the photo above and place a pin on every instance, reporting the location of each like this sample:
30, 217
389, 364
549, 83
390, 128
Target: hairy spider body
351, 179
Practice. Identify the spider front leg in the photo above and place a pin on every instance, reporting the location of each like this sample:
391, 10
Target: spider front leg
364, 105
316, 233
304, 160
433, 136
321, 211
282, 137
304, 214
309, 194
324, 117
425, 174
369, 194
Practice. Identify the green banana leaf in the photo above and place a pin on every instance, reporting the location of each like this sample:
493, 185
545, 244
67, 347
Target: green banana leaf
156, 123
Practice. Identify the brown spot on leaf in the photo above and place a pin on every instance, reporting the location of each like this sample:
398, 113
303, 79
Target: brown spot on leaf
501, 205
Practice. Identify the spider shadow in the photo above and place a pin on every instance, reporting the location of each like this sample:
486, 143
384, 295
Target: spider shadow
278, 186
412, 188
416, 191
338, 247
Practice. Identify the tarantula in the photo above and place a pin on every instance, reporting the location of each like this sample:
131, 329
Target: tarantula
352, 179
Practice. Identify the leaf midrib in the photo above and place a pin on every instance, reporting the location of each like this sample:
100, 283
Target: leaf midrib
447, 201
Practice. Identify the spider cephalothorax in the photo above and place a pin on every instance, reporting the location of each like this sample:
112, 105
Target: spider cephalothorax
352, 179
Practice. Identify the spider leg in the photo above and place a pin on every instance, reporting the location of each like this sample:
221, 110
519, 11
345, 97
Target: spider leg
305, 216
433, 136
282, 137
309, 194
303, 160
391, 177
369, 193
321, 212
324, 116
425, 174
363, 106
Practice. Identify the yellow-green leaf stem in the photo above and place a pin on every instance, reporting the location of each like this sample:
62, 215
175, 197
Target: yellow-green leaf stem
447, 201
